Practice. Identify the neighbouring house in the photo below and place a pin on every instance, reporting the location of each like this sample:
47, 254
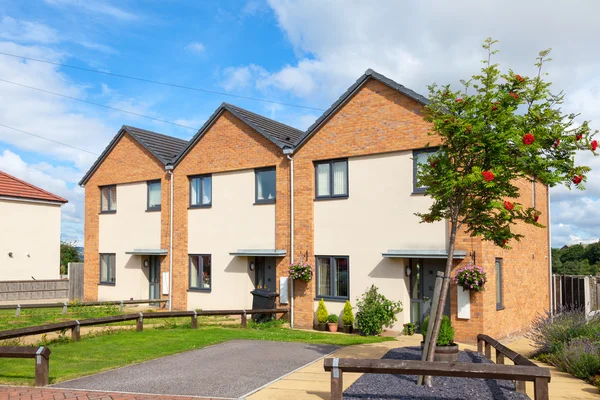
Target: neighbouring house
251, 194
29, 231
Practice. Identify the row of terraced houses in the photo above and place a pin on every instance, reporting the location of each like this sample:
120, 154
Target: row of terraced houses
204, 222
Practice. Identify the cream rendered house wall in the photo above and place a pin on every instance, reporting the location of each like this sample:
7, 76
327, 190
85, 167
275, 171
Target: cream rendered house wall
233, 222
131, 227
377, 216
29, 230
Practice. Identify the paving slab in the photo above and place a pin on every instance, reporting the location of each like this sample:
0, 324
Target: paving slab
227, 370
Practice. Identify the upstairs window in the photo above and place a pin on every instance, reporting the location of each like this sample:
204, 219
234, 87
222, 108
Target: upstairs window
265, 185
201, 191
153, 198
108, 199
420, 157
331, 179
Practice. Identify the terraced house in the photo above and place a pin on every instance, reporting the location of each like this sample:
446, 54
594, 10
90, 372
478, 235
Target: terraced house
250, 195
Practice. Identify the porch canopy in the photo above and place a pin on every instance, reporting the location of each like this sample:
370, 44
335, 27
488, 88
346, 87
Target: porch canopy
458, 254
258, 253
147, 252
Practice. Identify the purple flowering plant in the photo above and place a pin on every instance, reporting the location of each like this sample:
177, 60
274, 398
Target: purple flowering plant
301, 270
471, 277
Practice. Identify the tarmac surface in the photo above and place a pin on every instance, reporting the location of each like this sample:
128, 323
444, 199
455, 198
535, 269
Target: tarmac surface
228, 370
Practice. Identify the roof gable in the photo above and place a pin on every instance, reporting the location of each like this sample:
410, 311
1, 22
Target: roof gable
283, 136
369, 74
164, 148
16, 188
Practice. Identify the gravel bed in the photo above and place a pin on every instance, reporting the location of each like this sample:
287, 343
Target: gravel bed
386, 386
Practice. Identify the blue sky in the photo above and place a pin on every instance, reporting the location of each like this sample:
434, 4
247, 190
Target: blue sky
299, 52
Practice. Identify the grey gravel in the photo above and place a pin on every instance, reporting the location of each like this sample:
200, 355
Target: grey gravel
228, 370
386, 386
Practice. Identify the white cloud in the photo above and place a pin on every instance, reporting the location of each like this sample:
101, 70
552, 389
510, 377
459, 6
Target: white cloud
96, 7
195, 47
235, 78
27, 31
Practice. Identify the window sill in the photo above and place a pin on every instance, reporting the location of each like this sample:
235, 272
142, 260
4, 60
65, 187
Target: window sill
106, 284
198, 290
417, 192
334, 299
108, 212
152, 209
200, 206
331, 198
500, 308
261, 202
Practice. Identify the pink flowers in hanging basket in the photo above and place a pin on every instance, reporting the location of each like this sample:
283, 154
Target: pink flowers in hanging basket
301, 270
471, 277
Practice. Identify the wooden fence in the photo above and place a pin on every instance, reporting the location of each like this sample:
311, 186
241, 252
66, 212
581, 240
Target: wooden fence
75, 326
523, 370
30, 290
75, 281
576, 292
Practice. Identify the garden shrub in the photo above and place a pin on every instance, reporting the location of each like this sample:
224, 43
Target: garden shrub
549, 334
375, 311
332, 318
580, 358
322, 313
348, 316
446, 335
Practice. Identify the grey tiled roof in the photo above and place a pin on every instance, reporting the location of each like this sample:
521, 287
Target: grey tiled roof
164, 148
284, 136
368, 74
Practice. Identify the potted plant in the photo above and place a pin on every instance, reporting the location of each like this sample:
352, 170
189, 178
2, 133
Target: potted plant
471, 277
332, 323
445, 349
322, 316
409, 328
347, 317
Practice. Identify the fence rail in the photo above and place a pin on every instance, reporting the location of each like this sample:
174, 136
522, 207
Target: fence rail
65, 305
75, 325
523, 370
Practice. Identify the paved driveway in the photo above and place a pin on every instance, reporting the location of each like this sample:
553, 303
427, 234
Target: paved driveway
227, 370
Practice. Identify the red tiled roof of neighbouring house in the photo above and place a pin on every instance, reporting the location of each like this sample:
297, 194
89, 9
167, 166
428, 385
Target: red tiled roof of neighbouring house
14, 187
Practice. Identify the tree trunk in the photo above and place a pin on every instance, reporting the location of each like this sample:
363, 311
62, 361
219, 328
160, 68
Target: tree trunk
443, 295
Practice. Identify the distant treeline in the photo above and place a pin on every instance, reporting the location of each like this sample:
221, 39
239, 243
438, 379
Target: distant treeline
577, 259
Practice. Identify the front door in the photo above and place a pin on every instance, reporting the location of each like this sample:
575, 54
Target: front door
422, 284
265, 273
154, 278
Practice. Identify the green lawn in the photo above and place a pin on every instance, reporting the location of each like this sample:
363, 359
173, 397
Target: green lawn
102, 352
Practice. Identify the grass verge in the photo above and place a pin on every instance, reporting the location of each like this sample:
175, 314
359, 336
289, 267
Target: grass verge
115, 349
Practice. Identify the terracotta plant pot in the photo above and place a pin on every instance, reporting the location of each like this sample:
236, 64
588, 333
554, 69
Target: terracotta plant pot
322, 326
347, 328
445, 353
333, 326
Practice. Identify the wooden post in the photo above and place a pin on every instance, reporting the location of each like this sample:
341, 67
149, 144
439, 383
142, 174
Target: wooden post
499, 357
76, 332
337, 386
540, 388
41, 368
195, 320
480, 343
139, 325
244, 319
521, 387
425, 380
64, 310
488, 351
18, 312
121, 306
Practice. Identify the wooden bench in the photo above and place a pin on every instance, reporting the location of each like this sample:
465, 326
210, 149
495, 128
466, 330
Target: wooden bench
539, 376
40, 354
